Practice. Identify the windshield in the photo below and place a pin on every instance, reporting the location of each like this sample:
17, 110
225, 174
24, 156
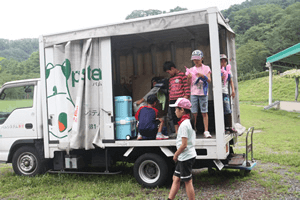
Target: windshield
14, 98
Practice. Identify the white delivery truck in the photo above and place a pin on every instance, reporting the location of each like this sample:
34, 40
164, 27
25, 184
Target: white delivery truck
78, 114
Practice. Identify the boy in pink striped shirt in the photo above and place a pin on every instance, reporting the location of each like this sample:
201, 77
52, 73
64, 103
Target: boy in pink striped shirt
178, 88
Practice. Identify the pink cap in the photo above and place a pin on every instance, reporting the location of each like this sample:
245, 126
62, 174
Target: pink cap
182, 103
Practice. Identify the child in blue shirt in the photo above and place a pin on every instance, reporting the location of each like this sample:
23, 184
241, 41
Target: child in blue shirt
149, 128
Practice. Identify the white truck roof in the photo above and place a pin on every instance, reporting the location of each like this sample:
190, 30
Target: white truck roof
140, 25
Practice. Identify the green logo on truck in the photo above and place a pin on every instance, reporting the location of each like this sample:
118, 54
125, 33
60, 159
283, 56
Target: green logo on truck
60, 102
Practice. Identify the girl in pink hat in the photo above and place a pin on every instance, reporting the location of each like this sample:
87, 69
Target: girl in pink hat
186, 154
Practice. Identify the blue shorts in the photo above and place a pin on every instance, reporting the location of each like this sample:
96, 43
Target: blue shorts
202, 101
226, 104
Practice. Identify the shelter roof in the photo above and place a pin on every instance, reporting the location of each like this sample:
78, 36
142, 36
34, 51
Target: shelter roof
289, 57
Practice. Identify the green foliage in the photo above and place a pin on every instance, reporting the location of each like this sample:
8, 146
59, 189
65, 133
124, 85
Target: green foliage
177, 9
11, 69
144, 13
287, 32
250, 76
263, 28
19, 50
294, 73
251, 57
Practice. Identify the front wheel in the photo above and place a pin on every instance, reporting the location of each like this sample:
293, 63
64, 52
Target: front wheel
150, 170
27, 162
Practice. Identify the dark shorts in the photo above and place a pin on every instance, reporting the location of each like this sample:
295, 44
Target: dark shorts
174, 117
183, 169
148, 134
226, 104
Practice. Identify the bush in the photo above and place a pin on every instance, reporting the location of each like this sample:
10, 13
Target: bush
249, 76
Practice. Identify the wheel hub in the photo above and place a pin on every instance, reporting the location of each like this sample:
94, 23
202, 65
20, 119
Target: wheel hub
27, 163
149, 171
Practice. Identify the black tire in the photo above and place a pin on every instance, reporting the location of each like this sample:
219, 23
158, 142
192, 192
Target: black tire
211, 171
150, 170
26, 162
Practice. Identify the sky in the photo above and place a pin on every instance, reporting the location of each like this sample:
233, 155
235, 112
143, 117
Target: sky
32, 18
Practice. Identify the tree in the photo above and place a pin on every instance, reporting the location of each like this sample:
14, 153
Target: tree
251, 57
177, 9
287, 33
19, 50
144, 13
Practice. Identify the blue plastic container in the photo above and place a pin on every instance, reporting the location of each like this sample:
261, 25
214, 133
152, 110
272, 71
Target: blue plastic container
123, 106
125, 128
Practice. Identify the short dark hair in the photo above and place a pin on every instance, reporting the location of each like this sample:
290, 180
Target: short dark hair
151, 99
168, 65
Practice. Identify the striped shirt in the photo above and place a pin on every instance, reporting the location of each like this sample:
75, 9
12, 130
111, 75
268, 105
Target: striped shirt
178, 86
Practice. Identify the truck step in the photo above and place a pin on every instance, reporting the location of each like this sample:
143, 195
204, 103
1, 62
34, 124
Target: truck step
237, 159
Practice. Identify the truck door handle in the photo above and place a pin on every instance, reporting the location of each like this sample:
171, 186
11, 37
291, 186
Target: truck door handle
28, 126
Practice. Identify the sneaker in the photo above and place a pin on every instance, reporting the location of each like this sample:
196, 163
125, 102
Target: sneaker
174, 135
231, 130
139, 137
160, 136
207, 134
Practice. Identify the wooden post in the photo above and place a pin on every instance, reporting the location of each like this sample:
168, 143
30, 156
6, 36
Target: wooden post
153, 57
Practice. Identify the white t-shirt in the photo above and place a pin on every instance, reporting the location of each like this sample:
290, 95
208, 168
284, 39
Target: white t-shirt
185, 130
225, 86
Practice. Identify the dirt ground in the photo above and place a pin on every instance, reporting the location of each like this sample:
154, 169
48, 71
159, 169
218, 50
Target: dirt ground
249, 189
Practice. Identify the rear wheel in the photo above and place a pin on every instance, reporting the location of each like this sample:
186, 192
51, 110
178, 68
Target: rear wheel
27, 162
150, 170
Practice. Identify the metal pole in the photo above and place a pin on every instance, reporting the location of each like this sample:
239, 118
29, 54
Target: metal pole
270, 81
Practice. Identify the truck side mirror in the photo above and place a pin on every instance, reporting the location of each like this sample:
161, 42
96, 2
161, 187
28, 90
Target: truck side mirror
2, 96
27, 90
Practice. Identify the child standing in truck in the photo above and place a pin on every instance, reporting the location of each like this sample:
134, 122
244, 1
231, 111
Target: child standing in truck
226, 80
186, 154
149, 128
178, 88
199, 78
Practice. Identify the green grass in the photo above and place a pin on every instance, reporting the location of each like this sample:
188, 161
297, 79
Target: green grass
9, 105
257, 90
278, 140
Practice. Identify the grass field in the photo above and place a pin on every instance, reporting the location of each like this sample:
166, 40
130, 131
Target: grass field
257, 90
9, 105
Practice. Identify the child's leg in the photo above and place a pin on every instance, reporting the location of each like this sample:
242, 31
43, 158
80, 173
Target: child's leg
160, 126
189, 188
228, 121
205, 121
195, 117
175, 187
194, 109
204, 110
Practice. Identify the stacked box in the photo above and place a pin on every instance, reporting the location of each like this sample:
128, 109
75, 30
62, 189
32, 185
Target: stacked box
123, 106
125, 128
125, 122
